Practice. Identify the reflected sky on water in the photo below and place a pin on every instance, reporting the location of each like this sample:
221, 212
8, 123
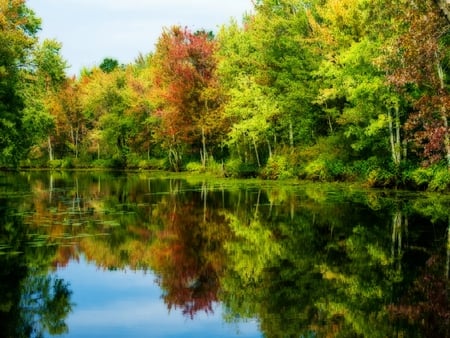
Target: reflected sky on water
126, 303
134, 255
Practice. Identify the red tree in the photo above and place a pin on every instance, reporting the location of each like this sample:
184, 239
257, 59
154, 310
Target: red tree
183, 70
421, 51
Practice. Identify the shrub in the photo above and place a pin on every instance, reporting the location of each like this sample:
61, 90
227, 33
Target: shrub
53, 164
68, 163
316, 170
440, 180
195, 167
379, 177
215, 168
133, 160
336, 169
238, 169
277, 167
421, 177
153, 164
102, 163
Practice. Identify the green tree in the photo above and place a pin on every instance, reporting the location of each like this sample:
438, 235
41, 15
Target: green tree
265, 69
17, 39
108, 65
106, 103
41, 113
359, 106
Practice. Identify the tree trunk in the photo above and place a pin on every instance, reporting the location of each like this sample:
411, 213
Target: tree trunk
291, 137
395, 139
76, 143
203, 154
204, 194
269, 148
257, 205
50, 149
447, 270
256, 153
444, 113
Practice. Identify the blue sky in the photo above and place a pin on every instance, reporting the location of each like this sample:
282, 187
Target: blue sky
129, 304
91, 30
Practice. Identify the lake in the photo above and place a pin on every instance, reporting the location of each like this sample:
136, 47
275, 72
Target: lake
104, 254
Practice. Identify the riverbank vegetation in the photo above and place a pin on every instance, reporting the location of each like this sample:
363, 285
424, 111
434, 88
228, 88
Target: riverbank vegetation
316, 89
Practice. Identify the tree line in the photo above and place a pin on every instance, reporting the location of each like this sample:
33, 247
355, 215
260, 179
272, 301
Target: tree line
313, 89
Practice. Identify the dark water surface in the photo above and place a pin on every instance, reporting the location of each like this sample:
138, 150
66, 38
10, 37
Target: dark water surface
139, 255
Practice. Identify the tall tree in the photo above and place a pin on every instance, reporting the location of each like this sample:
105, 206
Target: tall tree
18, 29
357, 103
419, 73
183, 68
47, 76
269, 55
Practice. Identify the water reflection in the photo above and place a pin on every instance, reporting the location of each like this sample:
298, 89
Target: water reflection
31, 302
303, 260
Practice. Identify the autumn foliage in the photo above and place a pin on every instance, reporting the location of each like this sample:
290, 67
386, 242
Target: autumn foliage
320, 90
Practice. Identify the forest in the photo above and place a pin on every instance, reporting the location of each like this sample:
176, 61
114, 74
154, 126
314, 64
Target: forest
323, 90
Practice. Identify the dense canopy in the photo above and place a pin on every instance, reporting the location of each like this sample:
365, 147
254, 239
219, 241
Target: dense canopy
315, 89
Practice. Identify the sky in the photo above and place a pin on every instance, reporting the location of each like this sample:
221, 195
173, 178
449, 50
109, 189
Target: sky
91, 30
129, 304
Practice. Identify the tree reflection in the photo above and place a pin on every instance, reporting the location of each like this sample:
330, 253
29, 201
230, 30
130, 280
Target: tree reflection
335, 269
32, 302
188, 258
426, 303
310, 260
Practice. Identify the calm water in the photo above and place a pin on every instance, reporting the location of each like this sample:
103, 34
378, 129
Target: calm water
137, 255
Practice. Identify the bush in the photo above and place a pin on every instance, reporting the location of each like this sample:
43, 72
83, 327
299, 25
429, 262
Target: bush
325, 169
434, 178
195, 167
420, 177
133, 160
53, 164
238, 169
336, 169
316, 170
378, 178
68, 163
215, 168
153, 164
362, 168
440, 180
103, 163
278, 167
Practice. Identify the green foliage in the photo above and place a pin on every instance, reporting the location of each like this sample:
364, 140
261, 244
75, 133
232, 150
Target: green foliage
380, 177
17, 39
433, 178
108, 65
319, 90
107, 163
195, 167
421, 177
212, 167
236, 168
153, 164
440, 180
278, 167
325, 169
54, 164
